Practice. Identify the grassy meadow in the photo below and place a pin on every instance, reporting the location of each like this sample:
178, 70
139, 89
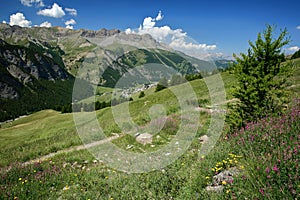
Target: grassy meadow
266, 154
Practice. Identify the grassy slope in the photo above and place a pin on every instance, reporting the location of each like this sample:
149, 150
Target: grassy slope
54, 131
80, 178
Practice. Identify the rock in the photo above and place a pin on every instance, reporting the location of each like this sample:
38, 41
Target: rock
226, 175
218, 188
144, 138
203, 139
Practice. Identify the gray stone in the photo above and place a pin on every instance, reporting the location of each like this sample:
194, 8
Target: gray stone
144, 138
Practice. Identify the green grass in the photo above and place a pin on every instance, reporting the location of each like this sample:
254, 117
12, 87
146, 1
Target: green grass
76, 175
38, 134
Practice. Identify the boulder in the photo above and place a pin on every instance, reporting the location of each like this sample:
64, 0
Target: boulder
144, 138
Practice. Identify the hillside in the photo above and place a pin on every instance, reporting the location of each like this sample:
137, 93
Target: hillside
38, 64
76, 174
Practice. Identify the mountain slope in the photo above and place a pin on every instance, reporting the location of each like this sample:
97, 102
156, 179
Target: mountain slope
31, 78
38, 64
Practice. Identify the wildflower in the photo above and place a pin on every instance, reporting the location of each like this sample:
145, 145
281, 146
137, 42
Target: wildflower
267, 170
202, 157
66, 188
106, 177
224, 182
207, 177
242, 167
15, 198
26, 181
262, 191
275, 168
20, 179
227, 191
75, 174
34, 171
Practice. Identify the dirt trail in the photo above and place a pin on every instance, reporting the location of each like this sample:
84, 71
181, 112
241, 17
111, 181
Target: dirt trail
75, 148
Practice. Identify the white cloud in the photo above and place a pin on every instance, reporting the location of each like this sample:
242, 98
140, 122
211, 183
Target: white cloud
55, 11
19, 19
69, 23
293, 49
128, 31
71, 11
176, 38
46, 24
29, 3
298, 27
159, 16
148, 22
69, 27
181, 43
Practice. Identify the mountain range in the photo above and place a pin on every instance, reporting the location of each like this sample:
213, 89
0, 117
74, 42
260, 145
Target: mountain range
38, 65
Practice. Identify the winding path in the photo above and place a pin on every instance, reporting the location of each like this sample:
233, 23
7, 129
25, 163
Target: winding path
75, 148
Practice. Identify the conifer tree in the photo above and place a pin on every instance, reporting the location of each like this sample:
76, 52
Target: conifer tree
261, 76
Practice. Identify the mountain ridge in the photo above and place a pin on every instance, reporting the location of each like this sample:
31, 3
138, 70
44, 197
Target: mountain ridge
40, 62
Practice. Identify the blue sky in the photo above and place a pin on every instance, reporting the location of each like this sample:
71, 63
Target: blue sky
216, 26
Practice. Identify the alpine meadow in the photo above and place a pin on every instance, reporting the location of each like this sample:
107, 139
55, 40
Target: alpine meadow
149, 113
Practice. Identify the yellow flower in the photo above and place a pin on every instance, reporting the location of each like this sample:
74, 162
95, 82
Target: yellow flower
75, 174
213, 169
242, 167
224, 183
227, 191
20, 179
202, 157
207, 177
34, 171
15, 197
26, 181
106, 177
66, 188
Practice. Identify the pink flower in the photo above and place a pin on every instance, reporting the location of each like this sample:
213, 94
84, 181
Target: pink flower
275, 168
267, 170
262, 191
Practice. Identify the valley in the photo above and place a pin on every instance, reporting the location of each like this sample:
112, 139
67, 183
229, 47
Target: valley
87, 97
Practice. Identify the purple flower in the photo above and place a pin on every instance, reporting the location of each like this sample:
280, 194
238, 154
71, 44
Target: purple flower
275, 168
262, 191
267, 170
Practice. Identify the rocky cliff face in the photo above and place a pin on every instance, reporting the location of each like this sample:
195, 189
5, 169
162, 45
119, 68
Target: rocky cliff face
25, 64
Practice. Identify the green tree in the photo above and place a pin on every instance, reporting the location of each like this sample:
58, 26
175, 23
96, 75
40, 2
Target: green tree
142, 94
261, 77
162, 84
296, 55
